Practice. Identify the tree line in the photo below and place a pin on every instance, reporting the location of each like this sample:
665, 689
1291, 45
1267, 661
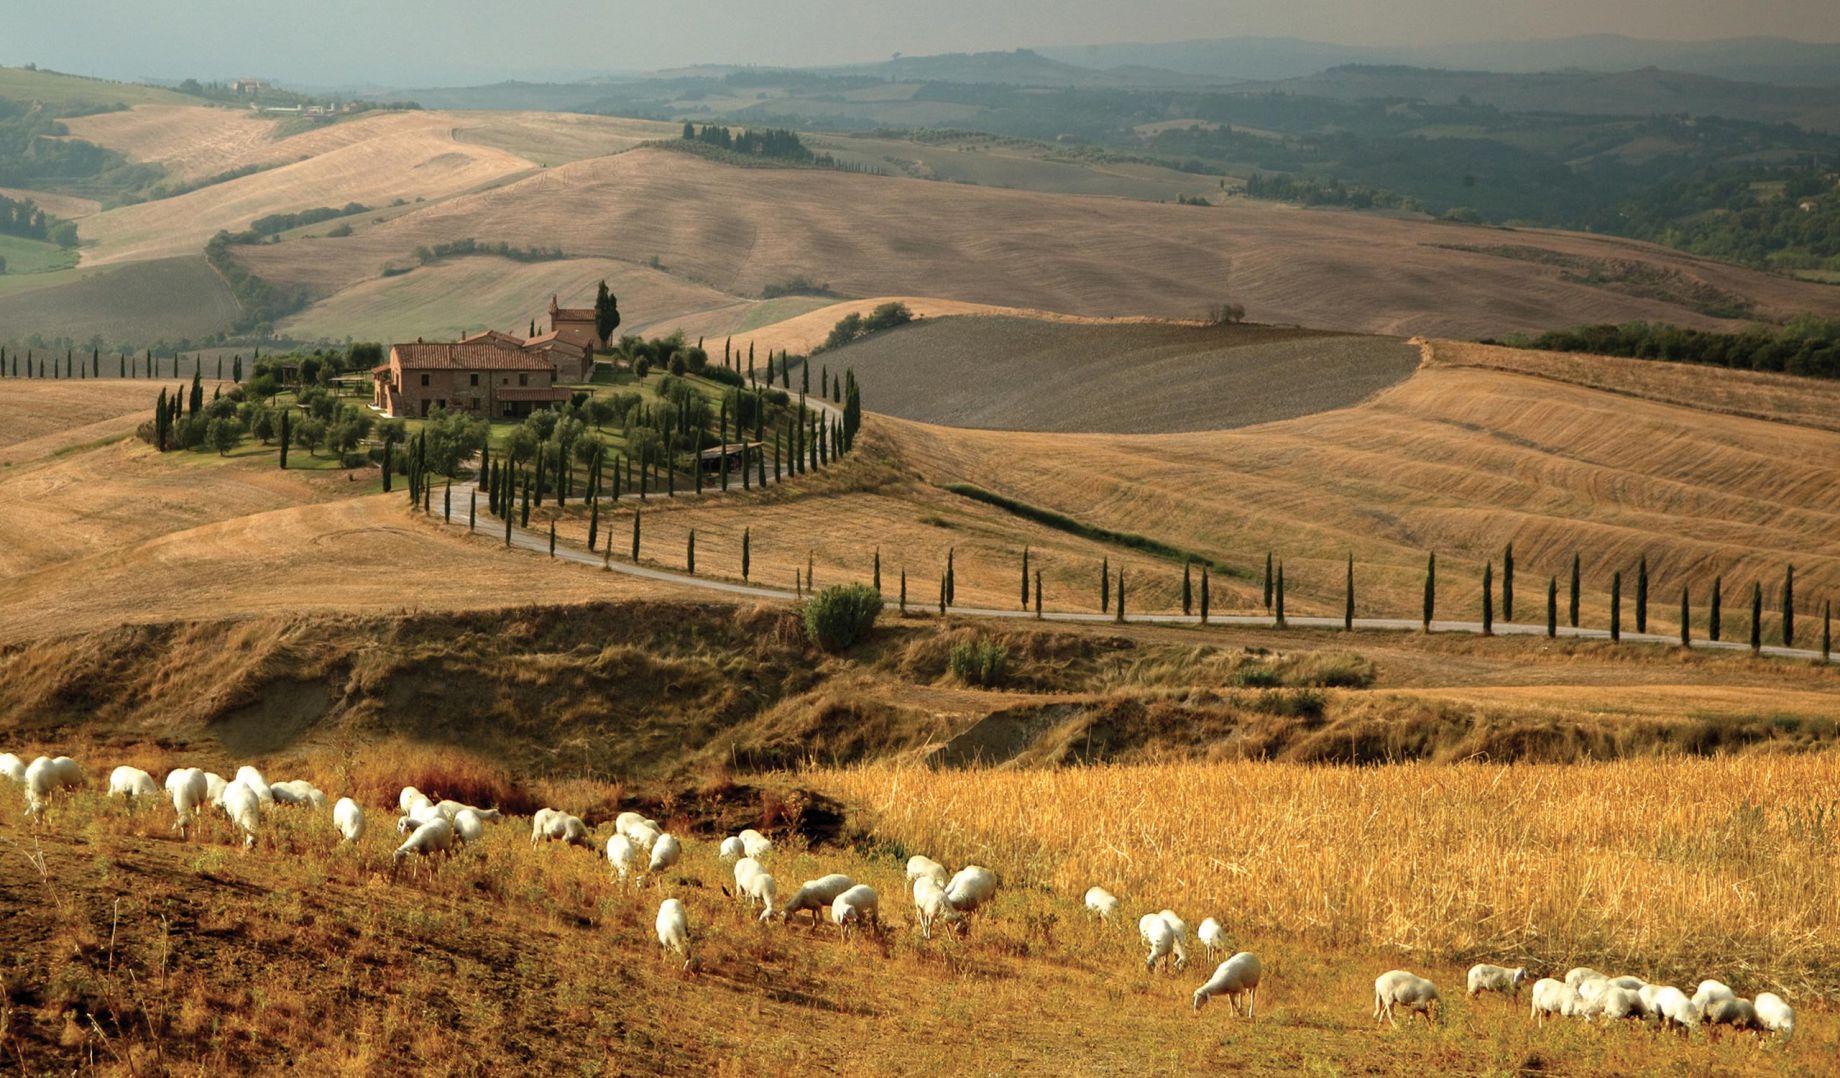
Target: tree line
1805, 346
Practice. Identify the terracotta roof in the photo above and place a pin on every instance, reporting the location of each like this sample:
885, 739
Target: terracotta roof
554, 337
532, 393
466, 356
491, 335
572, 314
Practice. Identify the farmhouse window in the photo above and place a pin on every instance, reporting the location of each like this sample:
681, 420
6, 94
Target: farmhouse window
475, 379
424, 379
523, 379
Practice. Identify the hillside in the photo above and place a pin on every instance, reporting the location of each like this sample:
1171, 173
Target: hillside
1008, 373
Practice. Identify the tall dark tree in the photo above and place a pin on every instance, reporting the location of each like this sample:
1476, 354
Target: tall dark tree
507, 495
197, 404
606, 314
386, 466
1025, 577
1105, 584
594, 523
690, 553
1507, 583
635, 536
284, 438
161, 422
1268, 581
1712, 608
472, 509
1574, 598
747, 553
1788, 607
1121, 593
1204, 594
1616, 605
1827, 629
1348, 599
903, 568
1038, 595
951, 578
1686, 619
1488, 599
1430, 588
1756, 616
1188, 590
552, 537
878, 570
524, 509
1642, 594
1552, 606
447, 503
1280, 597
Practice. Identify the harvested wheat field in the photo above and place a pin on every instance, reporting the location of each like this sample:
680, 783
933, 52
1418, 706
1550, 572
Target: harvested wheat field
161, 299
45, 415
1018, 374
738, 230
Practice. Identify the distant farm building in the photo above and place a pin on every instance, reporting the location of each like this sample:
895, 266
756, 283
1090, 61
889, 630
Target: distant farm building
484, 376
720, 458
572, 324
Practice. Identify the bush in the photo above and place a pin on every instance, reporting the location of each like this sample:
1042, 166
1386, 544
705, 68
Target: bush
979, 662
841, 615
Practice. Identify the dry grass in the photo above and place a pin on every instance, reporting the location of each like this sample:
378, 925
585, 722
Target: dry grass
54, 414
1673, 869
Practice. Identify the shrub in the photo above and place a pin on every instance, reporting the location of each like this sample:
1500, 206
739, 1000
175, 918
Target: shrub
979, 662
841, 615
1257, 677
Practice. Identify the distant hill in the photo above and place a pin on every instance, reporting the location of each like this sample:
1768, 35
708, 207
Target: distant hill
1023, 67
1762, 59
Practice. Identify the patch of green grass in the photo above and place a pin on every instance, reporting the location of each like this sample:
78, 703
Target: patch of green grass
56, 88
34, 256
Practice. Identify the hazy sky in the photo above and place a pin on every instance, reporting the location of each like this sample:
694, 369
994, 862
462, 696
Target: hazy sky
459, 42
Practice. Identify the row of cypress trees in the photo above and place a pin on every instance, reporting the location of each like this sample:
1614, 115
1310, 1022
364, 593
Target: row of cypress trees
126, 366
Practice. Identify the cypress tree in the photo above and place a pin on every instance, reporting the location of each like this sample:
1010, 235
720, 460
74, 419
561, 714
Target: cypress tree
804, 382
1025, 577
1188, 591
1642, 594
1488, 599
220, 368
1348, 602
1712, 609
1552, 607
506, 498
1507, 583
1574, 607
747, 471
1616, 605
472, 508
878, 570
1430, 588
942, 596
1204, 594
552, 537
563, 467
1121, 594
635, 536
1788, 607
284, 438
747, 555
1686, 614
903, 568
1756, 616
123, 373
619, 464
1038, 595
1827, 630
594, 523
427, 497
386, 466
1268, 581
699, 461
197, 390
690, 553
760, 451
524, 510
1105, 584
542, 479
724, 432
447, 503
811, 558
824, 381
1279, 620
159, 424
951, 578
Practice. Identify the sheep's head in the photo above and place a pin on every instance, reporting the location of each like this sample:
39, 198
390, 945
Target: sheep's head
1200, 998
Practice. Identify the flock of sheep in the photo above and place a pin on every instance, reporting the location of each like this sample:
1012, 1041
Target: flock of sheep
640, 848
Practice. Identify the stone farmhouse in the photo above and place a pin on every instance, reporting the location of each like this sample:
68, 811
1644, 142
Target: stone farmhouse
491, 374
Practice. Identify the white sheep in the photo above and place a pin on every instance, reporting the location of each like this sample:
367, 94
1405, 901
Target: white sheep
348, 817
1486, 978
1592, 991
1634, 984
745, 869
1619, 1002
920, 865
1737, 1013
731, 849
409, 794
1775, 1015
468, 827
131, 783
1101, 903
970, 888
816, 896
761, 887
1710, 992
1212, 936
12, 767
931, 905
556, 826
858, 904
665, 853
1554, 997
755, 844
435, 836
215, 784
244, 808
674, 929
1237, 978
297, 792
46, 776
645, 835
1677, 1010
622, 857
257, 785
1577, 975
625, 820
189, 792
450, 809
1163, 941
1400, 989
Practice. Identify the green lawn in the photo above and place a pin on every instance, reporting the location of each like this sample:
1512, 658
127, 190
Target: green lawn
34, 256
53, 88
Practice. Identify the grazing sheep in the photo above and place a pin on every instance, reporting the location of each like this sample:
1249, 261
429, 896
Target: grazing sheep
298, 792
625, 820
732, 850
856, 905
1398, 988
971, 888
755, 844
674, 929
931, 904
435, 836
1737, 1013
348, 817
918, 866
409, 794
258, 785
1554, 997
12, 767
468, 827
1580, 974
1710, 992
1634, 984
761, 887
1212, 936
1180, 928
244, 808
1619, 1002
188, 791
131, 783
1677, 1011
45, 776
745, 869
449, 809
215, 784
560, 827
1236, 978
1592, 990
1163, 941
1775, 1015
622, 857
1486, 978
665, 853
645, 836
1101, 903
816, 896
